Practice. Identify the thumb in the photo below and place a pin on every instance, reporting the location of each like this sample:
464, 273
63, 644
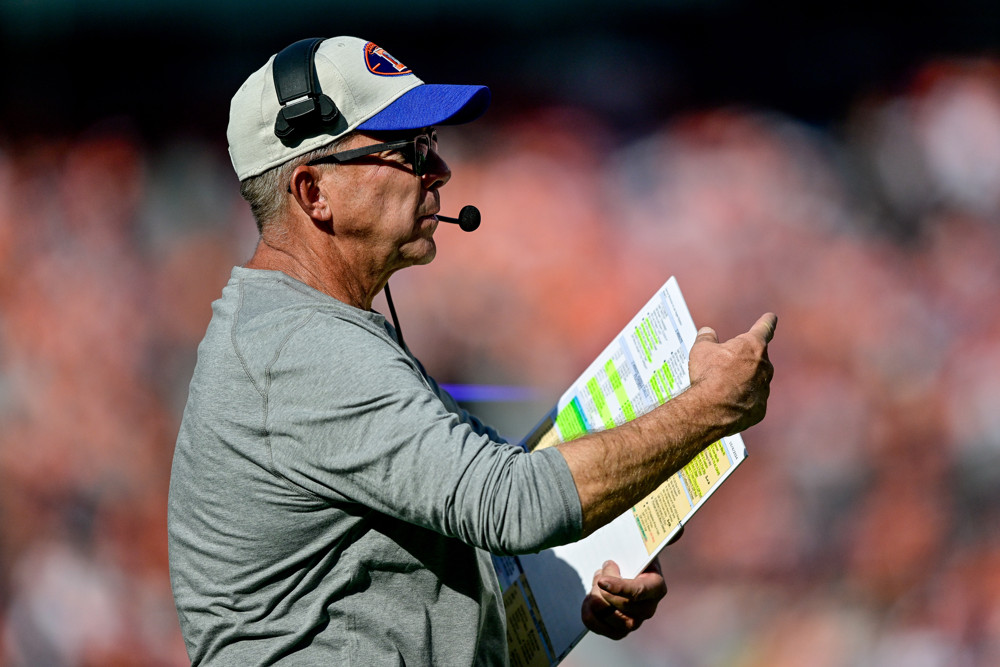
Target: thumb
610, 568
764, 327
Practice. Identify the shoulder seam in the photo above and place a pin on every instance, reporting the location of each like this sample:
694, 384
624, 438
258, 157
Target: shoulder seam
267, 432
236, 347
267, 383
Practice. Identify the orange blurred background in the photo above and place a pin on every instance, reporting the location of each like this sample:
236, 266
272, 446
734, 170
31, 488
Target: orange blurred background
863, 529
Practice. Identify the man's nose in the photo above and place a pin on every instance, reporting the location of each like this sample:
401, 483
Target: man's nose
437, 172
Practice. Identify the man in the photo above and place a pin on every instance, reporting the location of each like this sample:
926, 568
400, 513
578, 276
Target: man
329, 503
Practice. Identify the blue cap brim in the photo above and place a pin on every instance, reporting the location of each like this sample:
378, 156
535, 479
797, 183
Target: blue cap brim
431, 104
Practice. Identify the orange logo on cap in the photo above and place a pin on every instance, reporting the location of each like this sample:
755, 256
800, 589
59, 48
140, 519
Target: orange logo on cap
380, 62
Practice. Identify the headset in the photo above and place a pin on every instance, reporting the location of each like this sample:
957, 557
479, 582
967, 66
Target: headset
304, 107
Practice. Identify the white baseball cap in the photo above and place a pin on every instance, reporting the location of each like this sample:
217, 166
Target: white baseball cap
370, 89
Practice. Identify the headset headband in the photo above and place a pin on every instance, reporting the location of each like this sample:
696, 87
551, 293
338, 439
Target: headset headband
303, 105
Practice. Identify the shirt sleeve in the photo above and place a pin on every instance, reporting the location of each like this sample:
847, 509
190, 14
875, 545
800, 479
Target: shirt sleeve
352, 419
478, 426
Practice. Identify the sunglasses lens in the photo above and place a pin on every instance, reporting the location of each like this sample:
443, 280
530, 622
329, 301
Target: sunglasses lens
421, 148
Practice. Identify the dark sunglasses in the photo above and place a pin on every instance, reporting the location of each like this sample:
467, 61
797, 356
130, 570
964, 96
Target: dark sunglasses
416, 151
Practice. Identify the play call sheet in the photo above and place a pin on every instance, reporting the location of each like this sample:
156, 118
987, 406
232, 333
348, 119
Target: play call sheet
645, 366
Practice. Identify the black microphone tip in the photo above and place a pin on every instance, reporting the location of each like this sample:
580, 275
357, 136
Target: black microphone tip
469, 218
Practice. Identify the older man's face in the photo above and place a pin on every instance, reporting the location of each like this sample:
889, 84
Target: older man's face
383, 213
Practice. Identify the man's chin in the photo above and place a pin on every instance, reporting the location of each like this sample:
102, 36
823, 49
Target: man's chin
429, 257
423, 252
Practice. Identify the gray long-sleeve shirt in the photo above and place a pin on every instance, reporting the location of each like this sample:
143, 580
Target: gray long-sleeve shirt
329, 504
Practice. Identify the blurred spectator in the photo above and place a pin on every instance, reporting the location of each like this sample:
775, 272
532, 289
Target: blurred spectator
861, 530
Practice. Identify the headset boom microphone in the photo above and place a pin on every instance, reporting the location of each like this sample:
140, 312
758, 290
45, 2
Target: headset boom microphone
468, 219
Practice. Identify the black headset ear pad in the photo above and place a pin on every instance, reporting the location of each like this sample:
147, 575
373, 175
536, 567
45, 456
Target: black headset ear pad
282, 128
300, 118
294, 71
328, 111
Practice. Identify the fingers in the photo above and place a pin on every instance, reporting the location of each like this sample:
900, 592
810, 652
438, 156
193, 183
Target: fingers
609, 580
617, 606
707, 334
598, 614
763, 329
621, 592
616, 591
630, 595
606, 621
609, 568
733, 377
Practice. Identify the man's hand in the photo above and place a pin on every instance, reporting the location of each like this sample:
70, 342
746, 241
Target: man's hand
734, 375
616, 606
730, 384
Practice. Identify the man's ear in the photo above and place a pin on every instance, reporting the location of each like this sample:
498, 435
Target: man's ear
306, 191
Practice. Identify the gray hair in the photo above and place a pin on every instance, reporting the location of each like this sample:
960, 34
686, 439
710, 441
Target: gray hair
266, 192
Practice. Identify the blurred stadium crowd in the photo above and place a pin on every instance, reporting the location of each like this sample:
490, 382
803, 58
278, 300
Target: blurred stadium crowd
863, 529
